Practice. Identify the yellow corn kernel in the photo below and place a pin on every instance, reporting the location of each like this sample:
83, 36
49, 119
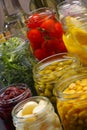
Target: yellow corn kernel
84, 82
83, 113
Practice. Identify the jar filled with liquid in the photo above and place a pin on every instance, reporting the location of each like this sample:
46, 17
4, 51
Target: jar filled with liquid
35, 113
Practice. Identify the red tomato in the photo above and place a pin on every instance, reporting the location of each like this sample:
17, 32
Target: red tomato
48, 25
40, 54
61, 46
50, 45
58, 30
35, 38
53, 28
34, 21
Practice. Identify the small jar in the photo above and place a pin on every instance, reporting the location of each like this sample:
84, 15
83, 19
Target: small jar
71, 95
15, 65
48, 71
44, 33
9, 97
42, 116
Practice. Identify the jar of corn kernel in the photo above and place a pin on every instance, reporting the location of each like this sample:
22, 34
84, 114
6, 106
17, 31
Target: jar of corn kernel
36, 113
48, 71
71, 96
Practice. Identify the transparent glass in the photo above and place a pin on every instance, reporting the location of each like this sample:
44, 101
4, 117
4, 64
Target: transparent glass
73, 15
44, 33
48, 71
45, 118
74, 8
65, 8
75, 37
71, 95
15, 66
9, 97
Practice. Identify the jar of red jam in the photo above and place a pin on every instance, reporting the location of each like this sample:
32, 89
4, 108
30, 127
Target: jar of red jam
44, 33
9, 97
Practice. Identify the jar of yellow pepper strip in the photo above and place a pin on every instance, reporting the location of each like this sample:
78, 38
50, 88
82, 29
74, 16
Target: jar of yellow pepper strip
75, 37
71, 96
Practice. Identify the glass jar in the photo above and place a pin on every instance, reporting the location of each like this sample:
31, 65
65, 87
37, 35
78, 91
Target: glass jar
73, 8
9, 97
44, 33
15, 66
71, 95
34, 4
75, 37
48, 71
42, 117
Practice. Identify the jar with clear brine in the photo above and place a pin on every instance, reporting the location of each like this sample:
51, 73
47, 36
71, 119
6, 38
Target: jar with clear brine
35, 113
44, 33
71, 95
75, 38
73, 15
48, 71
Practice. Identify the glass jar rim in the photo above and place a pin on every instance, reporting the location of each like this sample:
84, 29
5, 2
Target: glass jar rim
68, 6
64, 3
20, 39
41, 9
57, 56
19, 85
21, 104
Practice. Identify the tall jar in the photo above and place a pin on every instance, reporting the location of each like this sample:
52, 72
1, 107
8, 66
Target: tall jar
35, 113
71, 95
48, 71
73, 18
9, 97
44, 33
15, 65
75, 37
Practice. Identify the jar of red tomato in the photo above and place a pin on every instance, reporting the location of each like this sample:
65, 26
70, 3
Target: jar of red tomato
9, 97
44, 33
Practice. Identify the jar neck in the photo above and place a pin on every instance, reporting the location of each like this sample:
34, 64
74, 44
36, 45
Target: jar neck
63, 84
66, 7
62, 57
15, 100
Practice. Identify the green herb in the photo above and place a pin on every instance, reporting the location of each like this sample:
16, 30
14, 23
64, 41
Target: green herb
15, 66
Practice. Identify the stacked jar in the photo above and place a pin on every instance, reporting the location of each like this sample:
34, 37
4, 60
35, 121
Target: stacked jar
44, 33
48, 71
71, 95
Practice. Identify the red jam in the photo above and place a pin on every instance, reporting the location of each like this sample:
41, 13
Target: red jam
9, 97
45, 33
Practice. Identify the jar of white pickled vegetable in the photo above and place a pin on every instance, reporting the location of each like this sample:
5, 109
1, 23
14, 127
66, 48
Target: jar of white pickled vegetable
71, 96
35, 113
